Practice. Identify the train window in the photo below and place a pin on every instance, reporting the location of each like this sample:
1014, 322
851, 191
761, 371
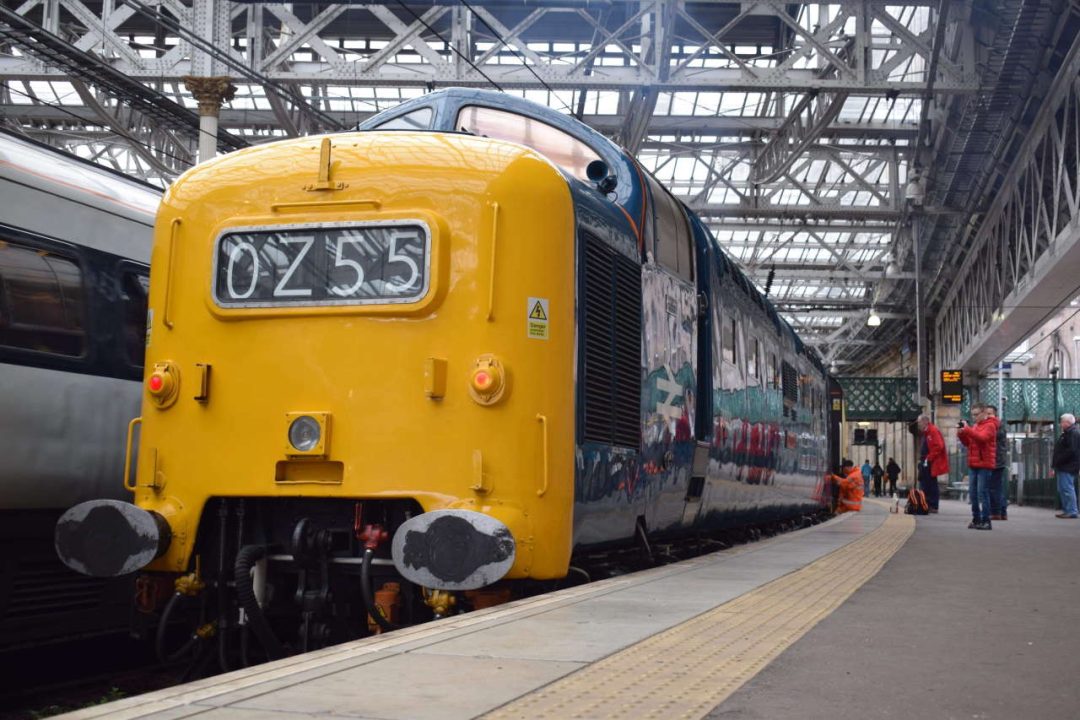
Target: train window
415, 120
790, 379
135, 287
754, 363
41, 301
673, 241
729, 340
561, 148
770, 368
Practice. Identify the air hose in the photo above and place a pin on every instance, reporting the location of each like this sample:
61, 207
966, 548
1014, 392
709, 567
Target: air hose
245, 595
374, 610
159, 637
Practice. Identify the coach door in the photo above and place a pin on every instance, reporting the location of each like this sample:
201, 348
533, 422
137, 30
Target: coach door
670, 356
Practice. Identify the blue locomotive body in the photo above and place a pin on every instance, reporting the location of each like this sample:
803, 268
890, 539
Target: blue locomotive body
698, 408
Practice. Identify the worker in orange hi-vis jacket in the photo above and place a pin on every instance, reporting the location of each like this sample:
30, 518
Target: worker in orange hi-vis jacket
851, 488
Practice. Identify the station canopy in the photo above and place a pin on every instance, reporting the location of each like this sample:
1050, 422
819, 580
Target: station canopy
790, 128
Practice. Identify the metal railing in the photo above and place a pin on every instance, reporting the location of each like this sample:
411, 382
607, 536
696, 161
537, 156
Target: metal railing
1030, 481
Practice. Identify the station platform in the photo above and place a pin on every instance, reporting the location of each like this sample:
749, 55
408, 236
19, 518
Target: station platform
870, 615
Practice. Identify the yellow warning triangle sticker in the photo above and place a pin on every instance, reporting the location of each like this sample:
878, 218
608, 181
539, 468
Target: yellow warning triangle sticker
537, 313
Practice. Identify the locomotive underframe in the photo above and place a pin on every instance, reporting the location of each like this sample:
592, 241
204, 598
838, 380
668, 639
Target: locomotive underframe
309, 577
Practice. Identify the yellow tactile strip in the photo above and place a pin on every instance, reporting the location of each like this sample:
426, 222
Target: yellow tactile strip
688, 670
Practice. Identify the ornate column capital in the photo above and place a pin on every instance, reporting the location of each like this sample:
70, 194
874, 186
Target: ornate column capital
210, 92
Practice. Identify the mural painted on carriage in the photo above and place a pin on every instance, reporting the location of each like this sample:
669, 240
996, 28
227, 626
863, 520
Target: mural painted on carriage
668, 435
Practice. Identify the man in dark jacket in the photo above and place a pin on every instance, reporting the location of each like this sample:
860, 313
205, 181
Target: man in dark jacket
1066, 464
892, 471
999, 485
933, 461
981, 442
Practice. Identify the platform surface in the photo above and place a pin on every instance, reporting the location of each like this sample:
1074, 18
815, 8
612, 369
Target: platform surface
801, 625
959, 624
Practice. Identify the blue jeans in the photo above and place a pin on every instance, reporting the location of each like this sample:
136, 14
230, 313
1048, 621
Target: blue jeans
999, 497
1067, 491
979, 489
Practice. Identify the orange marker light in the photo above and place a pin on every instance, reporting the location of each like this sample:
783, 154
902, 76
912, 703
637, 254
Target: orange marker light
163, 383
487, 380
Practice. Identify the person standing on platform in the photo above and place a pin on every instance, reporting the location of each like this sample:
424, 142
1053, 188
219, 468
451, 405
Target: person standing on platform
933, 461
892, 471
878, 474
981, 441
867, 471
999, 485
1066, 465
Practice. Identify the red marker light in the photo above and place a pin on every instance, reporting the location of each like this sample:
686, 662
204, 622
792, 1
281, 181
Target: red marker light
156, 382
487, 380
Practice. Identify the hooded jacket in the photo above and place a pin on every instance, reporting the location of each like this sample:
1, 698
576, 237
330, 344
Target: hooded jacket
981, 442
936, 456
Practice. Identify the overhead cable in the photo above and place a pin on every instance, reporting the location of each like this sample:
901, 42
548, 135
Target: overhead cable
524, 61
450, 45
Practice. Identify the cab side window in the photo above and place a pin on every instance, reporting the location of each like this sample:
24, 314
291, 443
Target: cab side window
561, 148
673, 242
419, 119
41, 301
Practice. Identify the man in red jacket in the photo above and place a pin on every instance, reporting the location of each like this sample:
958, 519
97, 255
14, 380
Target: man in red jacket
981, 442
933, 461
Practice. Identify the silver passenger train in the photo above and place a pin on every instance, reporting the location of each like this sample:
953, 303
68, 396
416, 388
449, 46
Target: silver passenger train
74, 249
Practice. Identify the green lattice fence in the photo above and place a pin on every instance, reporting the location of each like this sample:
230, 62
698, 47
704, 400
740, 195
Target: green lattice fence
876, 399
1030, 400
872, 399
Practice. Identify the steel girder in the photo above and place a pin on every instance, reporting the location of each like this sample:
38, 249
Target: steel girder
158, 130
276, 43
1023, 260
664, 131
834, 182
971, 140
811, 64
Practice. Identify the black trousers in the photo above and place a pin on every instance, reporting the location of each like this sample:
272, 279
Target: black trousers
929, 486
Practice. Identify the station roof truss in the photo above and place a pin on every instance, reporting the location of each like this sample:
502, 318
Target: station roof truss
792, 129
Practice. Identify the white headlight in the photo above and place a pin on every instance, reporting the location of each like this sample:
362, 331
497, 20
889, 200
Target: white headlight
304, 433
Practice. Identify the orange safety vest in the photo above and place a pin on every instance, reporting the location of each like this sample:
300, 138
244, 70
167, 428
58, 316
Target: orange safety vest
851, 491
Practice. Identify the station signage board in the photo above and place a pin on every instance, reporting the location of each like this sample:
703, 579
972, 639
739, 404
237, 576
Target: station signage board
952, 387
